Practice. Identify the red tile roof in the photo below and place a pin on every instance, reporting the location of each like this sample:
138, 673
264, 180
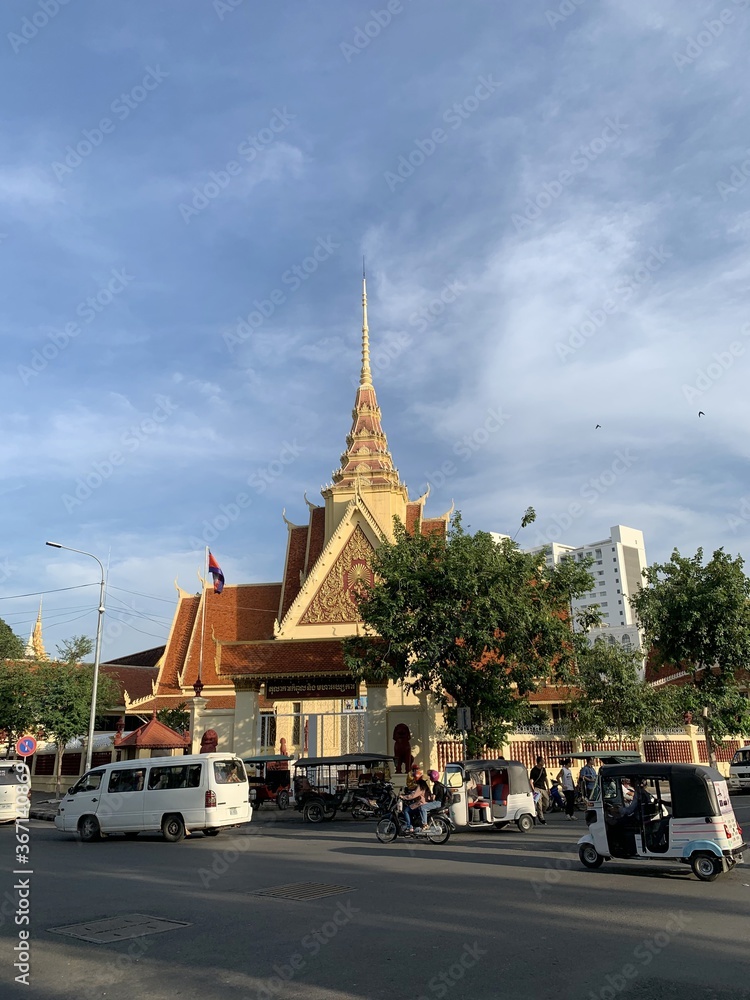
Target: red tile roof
289, 656
296, 549
177, 644
434, 526
136, 681
316, 536
413, 517
153, 735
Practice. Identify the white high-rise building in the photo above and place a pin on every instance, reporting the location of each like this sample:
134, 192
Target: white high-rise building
617, 569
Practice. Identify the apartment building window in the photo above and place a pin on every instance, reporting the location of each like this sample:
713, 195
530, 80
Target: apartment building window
604, 604
598, 553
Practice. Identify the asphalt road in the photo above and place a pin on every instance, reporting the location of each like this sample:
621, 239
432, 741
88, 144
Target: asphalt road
486, 916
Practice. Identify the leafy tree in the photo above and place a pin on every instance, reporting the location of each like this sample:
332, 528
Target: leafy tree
612, 697
474, 622
63, 703
11, 646
698, 617
177, 718
75, 649
18, 692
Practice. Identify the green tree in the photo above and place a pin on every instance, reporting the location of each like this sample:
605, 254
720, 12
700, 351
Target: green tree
18, 694
63, 703
698, 617
473, 622
613, 699
75, 649
11, 646
177, 718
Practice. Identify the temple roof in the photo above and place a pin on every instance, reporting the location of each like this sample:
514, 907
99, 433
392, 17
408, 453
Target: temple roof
153, 735
290, 657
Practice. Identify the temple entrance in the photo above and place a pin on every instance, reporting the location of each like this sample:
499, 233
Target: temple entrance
313, 734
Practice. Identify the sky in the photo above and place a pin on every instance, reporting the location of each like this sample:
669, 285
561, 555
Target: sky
553, 199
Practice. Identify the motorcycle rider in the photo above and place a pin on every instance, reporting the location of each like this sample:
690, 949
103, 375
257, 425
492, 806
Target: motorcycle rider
413, 800
438, 799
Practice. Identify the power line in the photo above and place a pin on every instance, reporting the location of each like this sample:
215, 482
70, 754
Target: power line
43, 593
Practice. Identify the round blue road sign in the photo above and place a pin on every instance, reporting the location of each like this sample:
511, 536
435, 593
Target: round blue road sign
26, 746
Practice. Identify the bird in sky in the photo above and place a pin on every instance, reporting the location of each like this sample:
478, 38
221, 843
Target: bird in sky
701, 413
597, 427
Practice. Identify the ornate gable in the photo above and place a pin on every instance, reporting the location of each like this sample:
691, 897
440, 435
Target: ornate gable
334, 601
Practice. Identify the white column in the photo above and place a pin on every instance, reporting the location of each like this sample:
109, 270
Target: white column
197, 706
377, 719
246, 716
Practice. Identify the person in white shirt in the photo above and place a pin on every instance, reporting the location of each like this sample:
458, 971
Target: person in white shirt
565, 777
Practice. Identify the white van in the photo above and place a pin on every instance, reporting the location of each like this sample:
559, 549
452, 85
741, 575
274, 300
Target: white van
174, 795
15, 791
739, 771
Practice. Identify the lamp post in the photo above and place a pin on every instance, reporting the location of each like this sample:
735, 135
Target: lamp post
97, 650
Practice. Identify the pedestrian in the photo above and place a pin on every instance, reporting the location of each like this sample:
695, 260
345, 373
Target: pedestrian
540, 781
538, 803
565, 777
587, 778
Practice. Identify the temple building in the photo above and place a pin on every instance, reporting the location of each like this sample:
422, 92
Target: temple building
262, 664
35, 646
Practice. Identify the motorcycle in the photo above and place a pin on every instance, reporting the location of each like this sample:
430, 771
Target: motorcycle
371, 801
556, 798
393, 824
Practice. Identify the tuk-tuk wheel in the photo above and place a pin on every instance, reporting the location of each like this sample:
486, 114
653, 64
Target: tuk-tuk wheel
705, 866
589, 856
314, 812
282, 799
525, 823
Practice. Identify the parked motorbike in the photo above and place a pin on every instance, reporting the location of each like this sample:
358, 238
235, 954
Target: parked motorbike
393, 824
556, 798
371, 801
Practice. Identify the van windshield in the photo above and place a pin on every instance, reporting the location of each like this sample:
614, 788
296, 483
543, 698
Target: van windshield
742, 756
229, 772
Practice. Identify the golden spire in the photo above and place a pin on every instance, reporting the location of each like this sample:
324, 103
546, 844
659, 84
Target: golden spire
365, 378
35, 646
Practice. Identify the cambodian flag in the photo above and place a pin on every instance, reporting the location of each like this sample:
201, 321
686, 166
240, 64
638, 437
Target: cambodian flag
215, 570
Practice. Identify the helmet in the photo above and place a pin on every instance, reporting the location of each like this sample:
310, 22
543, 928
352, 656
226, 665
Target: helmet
433, 775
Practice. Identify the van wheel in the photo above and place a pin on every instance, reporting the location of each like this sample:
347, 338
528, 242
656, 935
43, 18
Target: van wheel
706, 867
282, 799
525, 823
173, 828
88, 829
211, 833
589, 856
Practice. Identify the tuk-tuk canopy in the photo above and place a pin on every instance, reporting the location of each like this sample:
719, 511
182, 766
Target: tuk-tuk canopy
605, 756
518, 776
345, 760
692, 785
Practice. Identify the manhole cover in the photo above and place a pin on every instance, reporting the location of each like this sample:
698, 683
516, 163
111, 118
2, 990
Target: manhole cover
304, 890
118, 928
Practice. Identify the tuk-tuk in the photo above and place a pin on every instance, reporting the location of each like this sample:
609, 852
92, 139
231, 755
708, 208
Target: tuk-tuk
660, 811
490, 793
270, 780
325, 785
603, 757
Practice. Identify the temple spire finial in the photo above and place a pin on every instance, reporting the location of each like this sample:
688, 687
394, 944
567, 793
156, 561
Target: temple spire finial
365, 378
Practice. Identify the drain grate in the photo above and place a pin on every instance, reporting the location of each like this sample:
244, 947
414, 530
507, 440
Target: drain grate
111, 929
304, 890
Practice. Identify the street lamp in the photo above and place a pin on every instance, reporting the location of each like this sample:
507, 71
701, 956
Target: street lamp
97, 651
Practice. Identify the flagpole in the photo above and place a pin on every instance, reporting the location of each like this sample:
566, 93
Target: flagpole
203, 617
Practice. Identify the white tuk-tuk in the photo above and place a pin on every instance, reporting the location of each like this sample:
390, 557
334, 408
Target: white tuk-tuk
660, 812
490, 793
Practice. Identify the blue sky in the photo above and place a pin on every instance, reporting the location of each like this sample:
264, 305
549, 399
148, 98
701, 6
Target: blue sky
554, 202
